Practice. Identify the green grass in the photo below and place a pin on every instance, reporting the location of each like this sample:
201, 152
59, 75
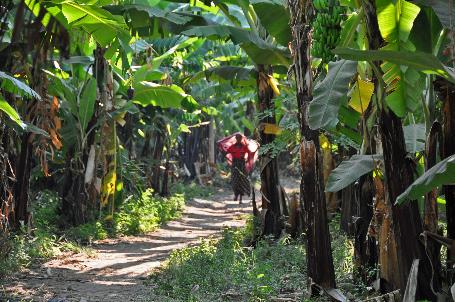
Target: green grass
343, 261
226, 270
223, 270
192, 190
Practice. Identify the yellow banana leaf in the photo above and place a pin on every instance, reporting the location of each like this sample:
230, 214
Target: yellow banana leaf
274, 85
324, 142
271, 129
361, 95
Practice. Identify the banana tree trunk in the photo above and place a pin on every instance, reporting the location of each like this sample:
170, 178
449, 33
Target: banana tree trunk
249, 115
348, 209
157, 154
190, 150
21, 164
449, 149
319, 253
80, 189
382, 224
365, 250
430, 214
22, 185
39, 83
269, 166
381, 228
211, 150
6, 177
407, 223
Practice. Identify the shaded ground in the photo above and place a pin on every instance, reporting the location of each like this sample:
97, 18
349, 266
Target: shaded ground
118, 269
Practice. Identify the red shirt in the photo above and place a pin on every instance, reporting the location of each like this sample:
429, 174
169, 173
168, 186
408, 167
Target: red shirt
238, 151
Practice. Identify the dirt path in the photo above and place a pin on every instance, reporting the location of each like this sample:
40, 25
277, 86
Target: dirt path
118, 269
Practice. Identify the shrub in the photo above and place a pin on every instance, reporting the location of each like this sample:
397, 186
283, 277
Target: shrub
88, 232
146, 213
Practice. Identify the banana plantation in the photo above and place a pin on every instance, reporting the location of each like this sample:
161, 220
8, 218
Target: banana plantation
130, 131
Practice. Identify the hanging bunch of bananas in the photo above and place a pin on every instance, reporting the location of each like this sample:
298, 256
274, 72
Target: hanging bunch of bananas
326, 28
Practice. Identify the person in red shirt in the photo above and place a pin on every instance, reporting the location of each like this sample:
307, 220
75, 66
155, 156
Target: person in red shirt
239, 177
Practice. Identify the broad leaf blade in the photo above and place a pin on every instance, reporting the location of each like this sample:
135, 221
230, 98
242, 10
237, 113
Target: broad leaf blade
10, 112
349, 29
443, 173
231, 72
154, 11
260, 51
421, 61
414, 136
361, 95
149, 93
15, 86
409, 12
330, 94
87, 103
276, 23
395, 20
442, 10
102, 25
351, 170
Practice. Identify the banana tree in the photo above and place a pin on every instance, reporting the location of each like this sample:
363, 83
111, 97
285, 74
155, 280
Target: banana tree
319, 255
94, 126
399, 87
38, 109
10, 120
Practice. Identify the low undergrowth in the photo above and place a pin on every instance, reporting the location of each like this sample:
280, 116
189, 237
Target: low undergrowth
227, 270
136, 215
139, 213
37, 243
223, 270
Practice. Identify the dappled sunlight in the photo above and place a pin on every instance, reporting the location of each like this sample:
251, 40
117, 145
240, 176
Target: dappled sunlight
120, 265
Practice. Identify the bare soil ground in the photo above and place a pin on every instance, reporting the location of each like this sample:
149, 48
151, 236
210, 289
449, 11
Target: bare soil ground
118, 269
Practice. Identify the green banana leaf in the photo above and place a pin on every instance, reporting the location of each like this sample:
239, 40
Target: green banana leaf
351, 170
14, 86
149, 93
414, 136
421, 61
330, 94
442, 10
87, 103
10, 112
101, 24
260, 51
274, 16
443, 173
155, 12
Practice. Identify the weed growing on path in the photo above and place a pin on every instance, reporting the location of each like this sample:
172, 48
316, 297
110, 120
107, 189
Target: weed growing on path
219, 270
226, 270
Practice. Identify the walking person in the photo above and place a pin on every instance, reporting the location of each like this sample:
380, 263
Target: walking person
239, 177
